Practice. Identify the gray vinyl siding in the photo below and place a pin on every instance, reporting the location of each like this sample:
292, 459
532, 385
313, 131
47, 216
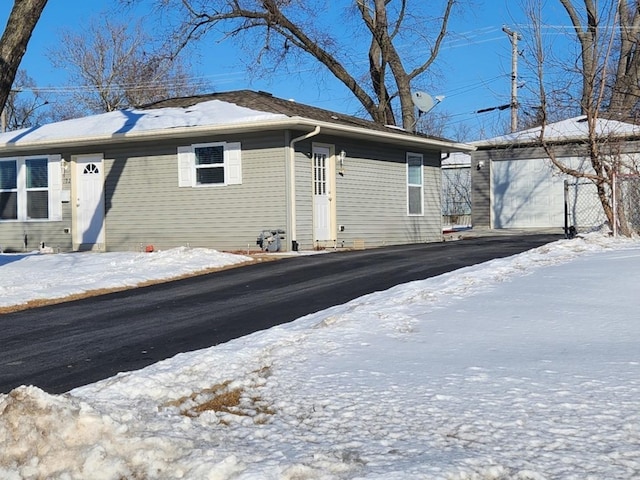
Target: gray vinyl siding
374, 210
145, 206
304, 196
481, 190
371, 196
12, 235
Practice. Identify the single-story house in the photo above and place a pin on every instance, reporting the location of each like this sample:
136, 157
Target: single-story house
216, 171
516, 186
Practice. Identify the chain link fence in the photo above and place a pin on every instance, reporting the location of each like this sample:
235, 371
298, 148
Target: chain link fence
626, 204
583, 211
456, 196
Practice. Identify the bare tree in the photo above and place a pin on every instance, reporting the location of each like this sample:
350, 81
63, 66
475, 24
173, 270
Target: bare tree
26, 105
624, 101
13, 44
115, 66
434, 125
607, 64
375, 48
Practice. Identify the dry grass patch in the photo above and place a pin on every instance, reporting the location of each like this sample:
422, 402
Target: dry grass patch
227, 399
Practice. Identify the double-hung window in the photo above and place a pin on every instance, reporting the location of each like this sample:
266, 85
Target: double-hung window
8, 190
37, 187
209, 164
30, 188
415, 180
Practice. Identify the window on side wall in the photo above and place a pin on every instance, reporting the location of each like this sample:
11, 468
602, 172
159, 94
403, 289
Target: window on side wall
30, 189
209, 164
415, 180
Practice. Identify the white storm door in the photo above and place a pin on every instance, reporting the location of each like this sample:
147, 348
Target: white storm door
89, 201
321, 194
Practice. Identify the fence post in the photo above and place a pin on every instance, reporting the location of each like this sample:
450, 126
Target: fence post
566, 208
614, 203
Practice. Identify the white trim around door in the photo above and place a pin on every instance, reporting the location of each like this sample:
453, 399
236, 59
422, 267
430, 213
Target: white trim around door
323, 178
88, 206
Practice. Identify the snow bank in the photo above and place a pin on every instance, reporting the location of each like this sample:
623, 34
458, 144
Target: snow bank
28, 277
520, 368
45, 436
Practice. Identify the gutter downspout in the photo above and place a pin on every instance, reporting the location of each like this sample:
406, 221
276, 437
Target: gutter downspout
292, 188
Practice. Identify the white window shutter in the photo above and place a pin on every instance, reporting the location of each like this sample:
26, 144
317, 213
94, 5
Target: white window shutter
233, 163
55, 188
186, 167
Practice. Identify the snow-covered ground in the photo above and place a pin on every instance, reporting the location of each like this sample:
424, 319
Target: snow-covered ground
32, 277
520, 368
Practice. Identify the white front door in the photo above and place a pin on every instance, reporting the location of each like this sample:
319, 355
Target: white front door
322, 195
89, 205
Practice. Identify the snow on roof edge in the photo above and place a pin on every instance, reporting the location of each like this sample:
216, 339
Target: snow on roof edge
570, 129
207, 116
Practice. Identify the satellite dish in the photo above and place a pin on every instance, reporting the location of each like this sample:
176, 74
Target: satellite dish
424, 102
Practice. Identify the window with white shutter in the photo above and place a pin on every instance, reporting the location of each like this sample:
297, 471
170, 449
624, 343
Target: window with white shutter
209, 164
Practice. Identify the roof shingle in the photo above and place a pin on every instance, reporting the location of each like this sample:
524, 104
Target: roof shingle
266, 102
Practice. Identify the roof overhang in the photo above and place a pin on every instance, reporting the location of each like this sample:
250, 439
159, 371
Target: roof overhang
387, 136
552, 142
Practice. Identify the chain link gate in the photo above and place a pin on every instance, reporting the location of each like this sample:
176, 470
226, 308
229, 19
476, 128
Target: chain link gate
582, 209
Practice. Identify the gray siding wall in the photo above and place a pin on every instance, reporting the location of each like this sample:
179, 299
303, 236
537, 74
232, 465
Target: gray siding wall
304, 196
145, 206
371, 196
481, 189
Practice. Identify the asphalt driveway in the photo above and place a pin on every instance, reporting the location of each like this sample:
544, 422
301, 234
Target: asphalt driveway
63, 346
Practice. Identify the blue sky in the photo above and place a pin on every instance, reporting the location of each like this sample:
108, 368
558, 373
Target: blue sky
474, 66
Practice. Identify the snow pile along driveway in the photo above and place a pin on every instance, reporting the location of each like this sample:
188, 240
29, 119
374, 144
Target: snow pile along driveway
33, 277
520, 368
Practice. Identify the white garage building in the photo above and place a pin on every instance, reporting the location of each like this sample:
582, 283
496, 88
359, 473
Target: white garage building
516, 186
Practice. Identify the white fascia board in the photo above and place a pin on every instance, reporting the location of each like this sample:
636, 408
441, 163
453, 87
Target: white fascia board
287, 123
389, 137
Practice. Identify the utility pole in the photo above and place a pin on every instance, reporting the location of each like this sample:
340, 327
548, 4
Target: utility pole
514, 37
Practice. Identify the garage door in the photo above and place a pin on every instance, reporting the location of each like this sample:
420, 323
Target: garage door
526, 194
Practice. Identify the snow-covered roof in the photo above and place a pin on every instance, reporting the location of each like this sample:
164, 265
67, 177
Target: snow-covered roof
137, 120
575, 128
183, 117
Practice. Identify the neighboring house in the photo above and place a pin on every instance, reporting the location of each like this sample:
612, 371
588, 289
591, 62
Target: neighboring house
515, 185
456, 191
215, 171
